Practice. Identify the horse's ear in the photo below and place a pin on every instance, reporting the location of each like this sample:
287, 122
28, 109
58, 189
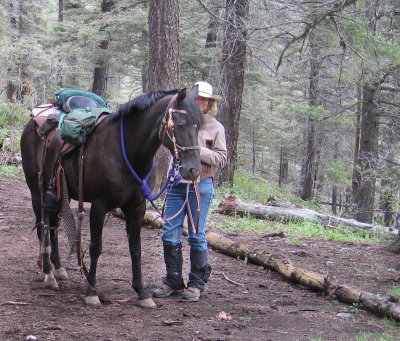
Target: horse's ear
194, 91
181, 96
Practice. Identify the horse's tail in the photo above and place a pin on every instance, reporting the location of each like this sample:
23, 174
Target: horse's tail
67, 216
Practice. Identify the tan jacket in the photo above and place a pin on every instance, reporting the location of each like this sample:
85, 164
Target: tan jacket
212, 144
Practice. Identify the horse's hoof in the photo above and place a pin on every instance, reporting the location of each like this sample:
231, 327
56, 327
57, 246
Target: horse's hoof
93, 301
61, 274
147, 303
50, 282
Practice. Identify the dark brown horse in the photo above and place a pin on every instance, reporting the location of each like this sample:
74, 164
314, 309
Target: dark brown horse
107, 181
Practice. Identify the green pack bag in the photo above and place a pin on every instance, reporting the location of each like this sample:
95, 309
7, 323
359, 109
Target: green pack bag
77, 125
64, 94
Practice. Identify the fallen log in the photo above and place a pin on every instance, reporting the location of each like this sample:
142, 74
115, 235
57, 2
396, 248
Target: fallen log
232, 204
379, 305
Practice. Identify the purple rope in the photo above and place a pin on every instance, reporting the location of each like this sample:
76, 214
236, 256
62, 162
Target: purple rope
145, 188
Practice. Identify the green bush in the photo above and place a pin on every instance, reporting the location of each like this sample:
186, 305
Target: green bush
13, 117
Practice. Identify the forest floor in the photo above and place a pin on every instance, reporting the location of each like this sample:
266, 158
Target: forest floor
263, 307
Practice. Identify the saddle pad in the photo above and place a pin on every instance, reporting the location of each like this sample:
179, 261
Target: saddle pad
46, 117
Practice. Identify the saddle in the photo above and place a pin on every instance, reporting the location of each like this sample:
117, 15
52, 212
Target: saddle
47, 119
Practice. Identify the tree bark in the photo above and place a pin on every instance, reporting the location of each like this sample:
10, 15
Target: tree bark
311, 159
283, 166
363, 199
233, 205
100, 72
378, 305
232, 80
163, 71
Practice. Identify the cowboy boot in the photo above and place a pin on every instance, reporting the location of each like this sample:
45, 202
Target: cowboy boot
173, 282
199, 274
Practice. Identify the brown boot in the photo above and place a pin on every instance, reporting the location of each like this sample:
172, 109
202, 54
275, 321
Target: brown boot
191, 294
200, 271
166, 291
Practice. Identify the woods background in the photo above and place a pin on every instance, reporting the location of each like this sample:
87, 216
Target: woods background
311, 88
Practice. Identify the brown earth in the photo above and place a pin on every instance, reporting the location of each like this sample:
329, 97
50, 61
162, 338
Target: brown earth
263, 307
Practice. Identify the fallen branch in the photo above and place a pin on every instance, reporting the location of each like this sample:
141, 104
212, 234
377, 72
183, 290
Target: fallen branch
231, 281
14, 303
379, 305
232, 204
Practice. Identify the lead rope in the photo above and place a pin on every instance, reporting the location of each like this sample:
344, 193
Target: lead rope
195, 227
81, 215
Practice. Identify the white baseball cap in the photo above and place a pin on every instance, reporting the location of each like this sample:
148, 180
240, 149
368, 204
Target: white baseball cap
206, 90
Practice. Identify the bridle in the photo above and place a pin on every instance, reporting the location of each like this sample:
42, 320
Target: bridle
167, 128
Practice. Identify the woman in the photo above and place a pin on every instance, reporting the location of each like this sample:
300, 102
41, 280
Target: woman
211, 140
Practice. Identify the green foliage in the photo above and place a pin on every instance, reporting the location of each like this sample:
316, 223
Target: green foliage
395, 291
340, 172
391, 333
2, 24
12, 171
306, 111
253, 189
13, 117
245, 319
306, 229
296, 231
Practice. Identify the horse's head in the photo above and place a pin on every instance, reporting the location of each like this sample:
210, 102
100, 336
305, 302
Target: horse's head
181, 124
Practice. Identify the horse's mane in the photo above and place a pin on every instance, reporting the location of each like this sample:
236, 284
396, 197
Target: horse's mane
144, 101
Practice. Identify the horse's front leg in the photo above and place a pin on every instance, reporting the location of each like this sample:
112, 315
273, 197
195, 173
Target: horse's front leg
97, 215
134, 217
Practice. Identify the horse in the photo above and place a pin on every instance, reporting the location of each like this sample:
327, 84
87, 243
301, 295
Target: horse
171, 118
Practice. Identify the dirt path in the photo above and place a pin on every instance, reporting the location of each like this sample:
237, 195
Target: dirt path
264, 308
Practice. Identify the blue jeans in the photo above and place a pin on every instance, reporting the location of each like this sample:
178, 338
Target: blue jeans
172, 229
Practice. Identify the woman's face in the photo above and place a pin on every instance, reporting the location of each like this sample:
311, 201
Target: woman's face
202, 103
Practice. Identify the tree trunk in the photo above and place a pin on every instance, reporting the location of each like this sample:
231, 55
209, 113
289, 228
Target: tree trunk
364, 197
311, 159
163, 72
389, 184
232, 205
283, 166
376, 304
335, 187
211, 64
232, 80
356, 177
101, 68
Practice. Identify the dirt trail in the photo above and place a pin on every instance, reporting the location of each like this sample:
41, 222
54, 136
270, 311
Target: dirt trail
264, 308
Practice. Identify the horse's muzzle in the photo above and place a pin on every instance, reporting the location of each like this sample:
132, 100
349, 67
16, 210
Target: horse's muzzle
190, 173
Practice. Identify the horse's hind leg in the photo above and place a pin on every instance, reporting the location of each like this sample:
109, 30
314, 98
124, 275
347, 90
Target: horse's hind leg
45, 250
59, 271
134, 217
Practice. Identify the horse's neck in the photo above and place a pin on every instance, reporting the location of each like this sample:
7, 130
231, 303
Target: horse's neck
142, 132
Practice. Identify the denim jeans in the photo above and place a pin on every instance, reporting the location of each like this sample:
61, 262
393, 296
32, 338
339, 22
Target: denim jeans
172, 229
